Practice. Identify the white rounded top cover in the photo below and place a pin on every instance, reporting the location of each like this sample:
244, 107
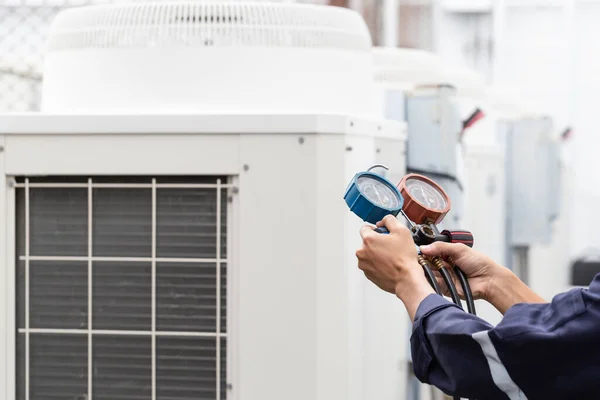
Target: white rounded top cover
469, 84
208, 57
405, 68
511, 103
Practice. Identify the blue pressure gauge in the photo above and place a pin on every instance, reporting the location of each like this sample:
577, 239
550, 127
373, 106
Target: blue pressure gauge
371, 196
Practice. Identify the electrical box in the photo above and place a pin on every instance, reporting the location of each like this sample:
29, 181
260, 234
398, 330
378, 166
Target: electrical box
395, 105
529, 180
433, 128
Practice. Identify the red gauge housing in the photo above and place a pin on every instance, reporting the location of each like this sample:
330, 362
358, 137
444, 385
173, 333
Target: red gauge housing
416, 209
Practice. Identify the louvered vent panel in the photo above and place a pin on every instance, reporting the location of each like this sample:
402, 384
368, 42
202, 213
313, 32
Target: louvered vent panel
122, 222
56, 320
186, 297
58, 295
187, 369
122, 296
186, 223
58, 218
122, 367
58, 366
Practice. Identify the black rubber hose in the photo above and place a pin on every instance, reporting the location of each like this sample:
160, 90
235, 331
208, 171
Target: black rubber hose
451, 288
430, 275
464, 283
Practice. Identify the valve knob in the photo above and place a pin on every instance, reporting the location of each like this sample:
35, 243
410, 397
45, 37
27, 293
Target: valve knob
464, 237
423, 234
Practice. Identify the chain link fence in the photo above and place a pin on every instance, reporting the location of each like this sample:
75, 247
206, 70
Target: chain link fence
24, 25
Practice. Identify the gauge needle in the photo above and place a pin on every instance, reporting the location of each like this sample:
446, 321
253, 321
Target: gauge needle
377, 192
423, 192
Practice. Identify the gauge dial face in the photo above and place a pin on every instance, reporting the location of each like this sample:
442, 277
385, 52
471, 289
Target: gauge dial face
378, 192
426, 195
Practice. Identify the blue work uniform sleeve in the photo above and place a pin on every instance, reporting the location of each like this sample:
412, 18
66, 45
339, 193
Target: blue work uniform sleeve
547, 350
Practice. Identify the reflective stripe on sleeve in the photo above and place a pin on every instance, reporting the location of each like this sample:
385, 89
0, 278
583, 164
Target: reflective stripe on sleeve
499, 373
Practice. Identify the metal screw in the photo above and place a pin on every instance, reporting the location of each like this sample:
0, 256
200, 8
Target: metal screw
379, 128
246, 167
301, 140
1, 149
378, 151
229, 386
351, 123
235, 190
11, 183
349, 148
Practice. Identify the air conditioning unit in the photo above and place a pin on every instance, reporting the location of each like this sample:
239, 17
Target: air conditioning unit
413, 86
172, 221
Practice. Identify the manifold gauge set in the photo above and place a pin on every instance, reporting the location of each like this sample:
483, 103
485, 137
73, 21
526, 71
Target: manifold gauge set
424, 204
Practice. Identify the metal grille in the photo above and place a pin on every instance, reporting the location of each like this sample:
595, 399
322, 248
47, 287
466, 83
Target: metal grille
121, 288
211, 23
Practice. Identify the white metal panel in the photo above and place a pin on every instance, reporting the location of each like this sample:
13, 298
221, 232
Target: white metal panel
193, 123
4, 326
277, 254
335, 270
359, 158
233, 291
70, 154
8, 301
485, 216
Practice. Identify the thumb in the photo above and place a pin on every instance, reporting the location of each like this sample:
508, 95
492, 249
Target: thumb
443, 249
391, 223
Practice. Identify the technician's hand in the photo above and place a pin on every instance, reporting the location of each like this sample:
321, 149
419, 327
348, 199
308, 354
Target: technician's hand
481, 270
390, 262
488, 280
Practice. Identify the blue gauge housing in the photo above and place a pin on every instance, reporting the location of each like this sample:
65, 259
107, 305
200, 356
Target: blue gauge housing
366, 209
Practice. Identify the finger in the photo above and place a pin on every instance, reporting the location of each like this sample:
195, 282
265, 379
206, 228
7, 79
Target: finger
367, 231
360, 253
392, 224
443, 249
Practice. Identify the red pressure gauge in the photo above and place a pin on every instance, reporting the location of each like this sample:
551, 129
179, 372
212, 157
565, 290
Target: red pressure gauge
425, 202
